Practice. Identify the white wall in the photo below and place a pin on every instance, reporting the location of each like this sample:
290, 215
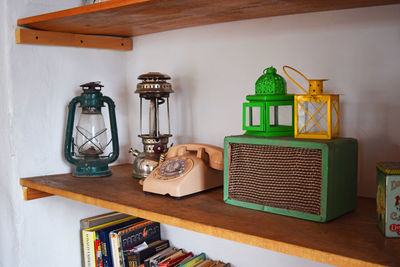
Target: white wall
39, 83
213, 68
7, 170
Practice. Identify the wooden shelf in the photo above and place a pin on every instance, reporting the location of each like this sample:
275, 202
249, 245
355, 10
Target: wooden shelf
352, 239
137, 17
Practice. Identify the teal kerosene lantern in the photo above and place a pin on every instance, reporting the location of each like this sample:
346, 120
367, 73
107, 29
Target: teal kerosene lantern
269, 112
87, 149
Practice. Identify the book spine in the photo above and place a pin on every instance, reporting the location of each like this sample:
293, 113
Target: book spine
97, 251
195, 260
114, 249
133, 259
105, 251
147, 232
104, 235
88, 248
120, 254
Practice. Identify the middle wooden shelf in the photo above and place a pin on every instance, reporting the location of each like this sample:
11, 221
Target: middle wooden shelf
351, 239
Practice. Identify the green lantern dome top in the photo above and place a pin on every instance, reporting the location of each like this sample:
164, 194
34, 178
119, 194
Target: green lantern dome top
270, 83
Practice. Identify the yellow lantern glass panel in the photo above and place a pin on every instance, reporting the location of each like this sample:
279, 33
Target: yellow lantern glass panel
316, 115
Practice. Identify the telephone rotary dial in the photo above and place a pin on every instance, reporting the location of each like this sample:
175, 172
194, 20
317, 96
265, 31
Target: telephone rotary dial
174, 168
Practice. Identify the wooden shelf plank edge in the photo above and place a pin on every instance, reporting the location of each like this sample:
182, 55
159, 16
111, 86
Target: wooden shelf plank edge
270, 244
29, 36
86, 9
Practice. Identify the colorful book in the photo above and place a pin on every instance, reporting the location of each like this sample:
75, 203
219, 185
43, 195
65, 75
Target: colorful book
199, 258
128, 237
95, 221
137, 234
89, 238
116, 251
135, 259
197, 264
221, 264
205, 263
174, 260
97, 253
88, 250
101, 219
154, 260
174, 255
185, 260
104, 234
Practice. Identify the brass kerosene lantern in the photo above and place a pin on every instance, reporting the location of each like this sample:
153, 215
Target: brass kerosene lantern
87, 149
154, 88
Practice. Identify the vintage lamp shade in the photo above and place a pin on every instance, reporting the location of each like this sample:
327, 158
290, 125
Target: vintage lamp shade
316, 114
154, 88
269, 112
86, 150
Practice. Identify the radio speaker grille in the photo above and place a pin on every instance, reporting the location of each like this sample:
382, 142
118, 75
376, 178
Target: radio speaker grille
276, 176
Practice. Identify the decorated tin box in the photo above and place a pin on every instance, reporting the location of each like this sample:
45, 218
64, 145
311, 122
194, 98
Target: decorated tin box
388, 198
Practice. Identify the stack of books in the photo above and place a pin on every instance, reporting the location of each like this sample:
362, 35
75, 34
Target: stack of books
119, 240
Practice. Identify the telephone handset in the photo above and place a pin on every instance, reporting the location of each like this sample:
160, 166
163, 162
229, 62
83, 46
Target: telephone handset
187, 169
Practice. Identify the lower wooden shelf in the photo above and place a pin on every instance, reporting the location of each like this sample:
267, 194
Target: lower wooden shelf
352, 239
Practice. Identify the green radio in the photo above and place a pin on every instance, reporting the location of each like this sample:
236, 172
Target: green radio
309, 179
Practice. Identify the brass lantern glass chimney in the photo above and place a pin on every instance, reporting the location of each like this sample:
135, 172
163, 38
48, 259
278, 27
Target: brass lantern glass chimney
155, 89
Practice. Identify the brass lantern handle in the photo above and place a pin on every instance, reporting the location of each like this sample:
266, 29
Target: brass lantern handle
301, 74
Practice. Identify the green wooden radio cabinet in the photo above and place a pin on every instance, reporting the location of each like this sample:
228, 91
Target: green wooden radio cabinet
308, 179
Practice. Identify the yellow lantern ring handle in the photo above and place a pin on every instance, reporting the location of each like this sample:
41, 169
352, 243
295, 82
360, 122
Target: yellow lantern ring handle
301, 74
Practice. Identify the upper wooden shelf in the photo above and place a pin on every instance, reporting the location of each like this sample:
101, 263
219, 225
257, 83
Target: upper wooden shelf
137, 17
351, 240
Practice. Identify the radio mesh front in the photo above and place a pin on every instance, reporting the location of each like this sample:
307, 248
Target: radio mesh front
276, 176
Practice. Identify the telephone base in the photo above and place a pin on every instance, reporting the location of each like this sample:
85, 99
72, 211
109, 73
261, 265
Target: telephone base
183, 197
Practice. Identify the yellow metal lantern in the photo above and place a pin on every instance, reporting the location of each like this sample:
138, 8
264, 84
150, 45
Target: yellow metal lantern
316, 115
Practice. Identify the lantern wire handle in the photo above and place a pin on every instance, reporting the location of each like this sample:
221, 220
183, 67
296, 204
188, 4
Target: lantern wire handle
301, 74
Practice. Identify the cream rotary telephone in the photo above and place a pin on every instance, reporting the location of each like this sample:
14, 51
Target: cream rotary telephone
187, 169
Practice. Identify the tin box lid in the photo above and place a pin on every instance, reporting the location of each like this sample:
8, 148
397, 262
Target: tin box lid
389, 167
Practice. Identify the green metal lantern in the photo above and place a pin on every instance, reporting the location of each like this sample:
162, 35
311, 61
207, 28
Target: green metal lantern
269, 112
86, 150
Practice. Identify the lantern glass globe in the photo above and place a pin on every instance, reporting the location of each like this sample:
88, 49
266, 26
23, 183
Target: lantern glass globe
91, 135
